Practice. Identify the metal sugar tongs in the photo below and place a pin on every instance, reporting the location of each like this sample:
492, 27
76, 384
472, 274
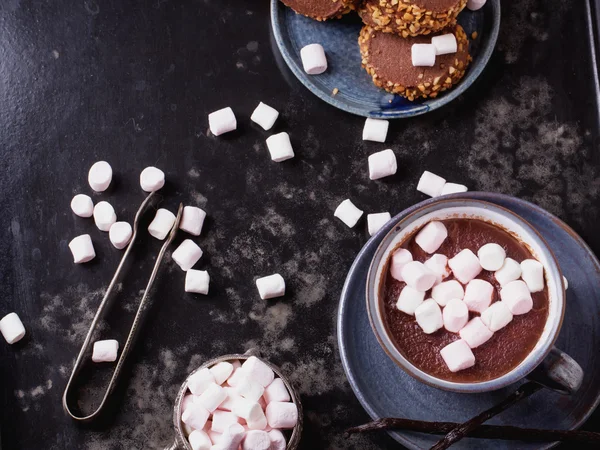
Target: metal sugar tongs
85, 349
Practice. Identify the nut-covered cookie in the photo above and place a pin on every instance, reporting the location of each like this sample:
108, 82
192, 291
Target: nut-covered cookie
322, 9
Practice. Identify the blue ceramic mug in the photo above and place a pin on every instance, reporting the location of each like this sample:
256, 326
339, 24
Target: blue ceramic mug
545, 363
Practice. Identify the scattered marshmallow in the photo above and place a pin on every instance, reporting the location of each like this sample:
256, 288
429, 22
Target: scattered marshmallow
432, 236
271, 286
265, 116
510, 271
212, 397
162, 224
423, 55
105, 351
474, 5
258, 371
478, 295
82, 249
532, 273
565, 282
200, 381
187, 254
104, 215
280, 147
491, 257
231, 438
222, 419
438, 264
497, 316
256, 440
458, 356
199, 440
517, 297
382, 164
444, 44
197, 281
282, 415
475, 333
431, 184
446, 291
222, 121
465, 266
375, 130
249, 389
455, 315
100, 176
192, 220
313, 58
453, 188
120, 234
376, 221
429, 316
82, 205
221, 371
12, 328
195, 416
399, 259
409, 300
348, 213
152, 179
277, 440
276, 392
418, 276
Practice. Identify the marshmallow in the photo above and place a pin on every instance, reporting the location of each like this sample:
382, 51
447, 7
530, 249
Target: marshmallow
348, 213
431, 236
497, 316
438, 264
105, 351
478, 295
222, 121
474, 5
82, 249
235, 363
258, 371
152, 179
491, 257
431, 184
222, 419
221, 371
565, 282
187, 254
455, 315
532, 273
100, 176
510, 271
249, 389
429, 316
465, 266
82, 205
313, 59
104, 215
458, 356
265, 116
280, 147
215, 438
199, 440
376, 221
197, 281
192, 220
12, 328
186, 402
382, 164
453, 188
475, 333
231, 438
195, 416
246, 409
228, 403
200, 381
423, 55
162, 224
375, 130
399, 259
409, 300
271, 286
212, 397
446, 291
282, 415
236, 376
257, 421
120, 234
276, 392
256, 440
444, 44
517, 297
418, 276
277, 440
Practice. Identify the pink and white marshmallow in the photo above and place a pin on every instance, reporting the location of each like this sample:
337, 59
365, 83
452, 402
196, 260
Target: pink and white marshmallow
458, 356
195, 416
104, 215
222, 419
510, 271
100, 176
313, 58
475, 5
423, 55
478, 295
12, 328
376, 221
438, 264
277, 440
429, 316
465, 266
432, 236
409, 300
348, 213
192, 220
258, 371
282, 415
276, 392
82, 205
161, 224
497, 316
382, 164
418, 276
200, 381
199, 440
120, 234
82, 249
256, 440
221, 371
265, 116
399, 259
197, 282
455, 315
250, 390
251, 412
229, 402
105, 351
445, 44
453, 188
212, 397
152, 179
271, 286
375, 130
491, 256
187, 254
431, 184
517, 297
236, 376
446, 291
231, 438
222, 121
475, 333
532, 273
280, 147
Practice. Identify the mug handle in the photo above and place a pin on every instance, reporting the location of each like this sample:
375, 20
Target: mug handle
559, 372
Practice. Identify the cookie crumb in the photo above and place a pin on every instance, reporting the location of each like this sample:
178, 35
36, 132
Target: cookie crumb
474, 35
335, 91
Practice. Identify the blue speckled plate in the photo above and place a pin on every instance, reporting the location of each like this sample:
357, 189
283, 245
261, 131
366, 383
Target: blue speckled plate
385, 390
357, 94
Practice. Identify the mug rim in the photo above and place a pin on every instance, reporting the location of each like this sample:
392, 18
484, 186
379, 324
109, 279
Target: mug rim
531, 360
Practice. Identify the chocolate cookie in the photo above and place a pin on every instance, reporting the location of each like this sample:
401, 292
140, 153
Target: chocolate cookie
322, 9
410, 17
387, 58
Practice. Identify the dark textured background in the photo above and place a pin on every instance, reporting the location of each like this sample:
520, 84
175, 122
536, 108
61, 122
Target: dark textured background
132, 82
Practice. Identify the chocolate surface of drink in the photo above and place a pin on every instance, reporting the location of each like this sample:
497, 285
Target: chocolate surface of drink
505, 350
